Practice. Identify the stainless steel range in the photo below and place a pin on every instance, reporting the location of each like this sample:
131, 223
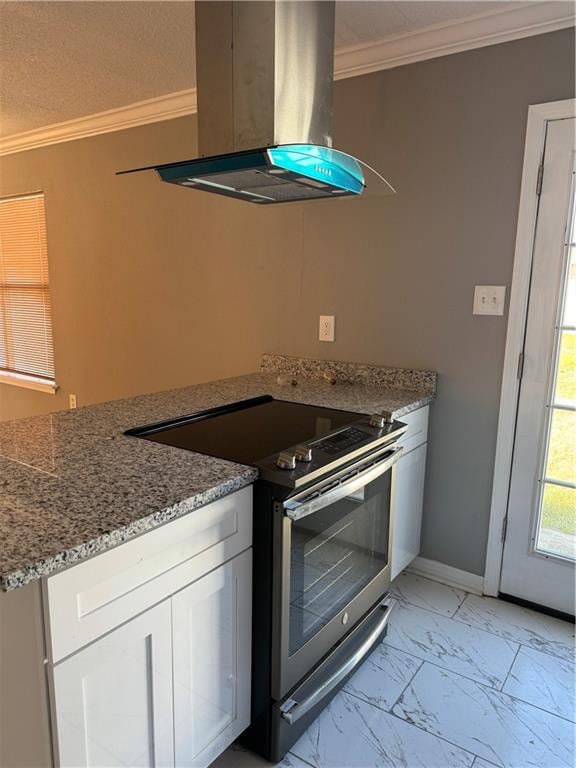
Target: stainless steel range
323, 519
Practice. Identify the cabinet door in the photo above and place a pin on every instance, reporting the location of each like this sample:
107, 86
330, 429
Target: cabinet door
212, 659
113, 700
407, 519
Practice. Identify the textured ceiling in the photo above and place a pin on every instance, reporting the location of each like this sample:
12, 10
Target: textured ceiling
63, 60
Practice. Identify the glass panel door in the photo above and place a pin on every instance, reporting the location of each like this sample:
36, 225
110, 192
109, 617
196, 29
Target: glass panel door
556, 523
539, 560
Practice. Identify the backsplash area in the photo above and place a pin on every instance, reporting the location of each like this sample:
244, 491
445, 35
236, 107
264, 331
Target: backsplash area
353, 373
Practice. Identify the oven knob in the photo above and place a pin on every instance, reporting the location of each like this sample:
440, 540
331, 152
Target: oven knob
286, 460
379, 421
303, 453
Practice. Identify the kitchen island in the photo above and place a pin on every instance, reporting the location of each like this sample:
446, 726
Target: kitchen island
75, 491
73, 485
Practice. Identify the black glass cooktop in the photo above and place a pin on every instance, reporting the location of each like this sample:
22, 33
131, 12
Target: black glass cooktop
251, 430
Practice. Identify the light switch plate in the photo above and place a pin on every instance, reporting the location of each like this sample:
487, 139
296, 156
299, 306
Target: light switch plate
489, 299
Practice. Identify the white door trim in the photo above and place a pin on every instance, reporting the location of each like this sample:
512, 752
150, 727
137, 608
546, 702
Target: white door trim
538, 117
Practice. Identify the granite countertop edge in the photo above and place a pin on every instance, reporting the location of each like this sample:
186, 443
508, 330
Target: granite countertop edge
419, 402
85, 550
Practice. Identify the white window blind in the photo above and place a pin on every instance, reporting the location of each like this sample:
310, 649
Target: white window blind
26, 347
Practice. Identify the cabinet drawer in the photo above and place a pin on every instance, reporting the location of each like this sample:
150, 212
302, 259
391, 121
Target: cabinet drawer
417, 432
93, 597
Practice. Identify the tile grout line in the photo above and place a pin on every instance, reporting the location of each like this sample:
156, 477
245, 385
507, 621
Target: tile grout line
293, 754
519, 643
450, 671
478, 757
473, 755
434, 735
412, 676
488, 687
461, 604
397, 699
546, 653
444, 669
404, 600
414, 725
510, 670
464, 623
455, 617
501, 637
443, 615
460, 620
530, 703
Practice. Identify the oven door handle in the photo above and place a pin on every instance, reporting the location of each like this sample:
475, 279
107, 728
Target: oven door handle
296, 509
292, 710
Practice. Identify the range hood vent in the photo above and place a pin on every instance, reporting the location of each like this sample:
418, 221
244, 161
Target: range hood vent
265, 74
272, 175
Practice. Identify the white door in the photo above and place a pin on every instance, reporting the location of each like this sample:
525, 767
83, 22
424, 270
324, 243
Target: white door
113, 699
212, 628
539, 549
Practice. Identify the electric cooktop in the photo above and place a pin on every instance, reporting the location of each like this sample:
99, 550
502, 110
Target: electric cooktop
290, 442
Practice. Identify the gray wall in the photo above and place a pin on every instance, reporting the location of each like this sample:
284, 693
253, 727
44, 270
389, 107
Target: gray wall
399, 274
157, 287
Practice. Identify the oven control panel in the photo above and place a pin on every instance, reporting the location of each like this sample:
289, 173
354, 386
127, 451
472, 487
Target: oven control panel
299, 465
337, 442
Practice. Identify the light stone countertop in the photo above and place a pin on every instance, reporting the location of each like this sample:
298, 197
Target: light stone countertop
72, 485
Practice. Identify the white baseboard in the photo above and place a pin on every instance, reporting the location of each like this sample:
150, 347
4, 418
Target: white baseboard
454, 577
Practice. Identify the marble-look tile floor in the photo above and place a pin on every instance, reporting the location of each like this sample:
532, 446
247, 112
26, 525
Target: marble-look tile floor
460, 681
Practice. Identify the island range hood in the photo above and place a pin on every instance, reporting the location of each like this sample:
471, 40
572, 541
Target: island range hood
265, 75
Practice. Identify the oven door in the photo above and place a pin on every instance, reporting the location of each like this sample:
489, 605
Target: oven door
333, 564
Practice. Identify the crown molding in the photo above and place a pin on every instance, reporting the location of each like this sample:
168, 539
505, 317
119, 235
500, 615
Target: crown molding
491, 28
523, 20
155, 110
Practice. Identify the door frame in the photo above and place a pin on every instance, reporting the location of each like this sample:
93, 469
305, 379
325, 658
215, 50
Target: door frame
538, 117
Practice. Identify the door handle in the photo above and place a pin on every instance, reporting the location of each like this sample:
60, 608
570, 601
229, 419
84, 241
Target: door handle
296, 509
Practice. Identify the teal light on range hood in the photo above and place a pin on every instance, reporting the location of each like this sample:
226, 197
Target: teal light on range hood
320, 164
272, 174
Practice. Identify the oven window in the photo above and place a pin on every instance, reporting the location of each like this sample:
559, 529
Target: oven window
335, 553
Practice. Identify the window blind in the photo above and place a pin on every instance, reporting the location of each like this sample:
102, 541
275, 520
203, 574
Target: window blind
26, 345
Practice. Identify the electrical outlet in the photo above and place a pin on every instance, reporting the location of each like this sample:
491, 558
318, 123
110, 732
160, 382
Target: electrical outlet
489, 299
72, 401
326, 328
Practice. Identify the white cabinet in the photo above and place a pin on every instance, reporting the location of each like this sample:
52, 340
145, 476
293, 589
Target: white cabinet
170, 687
410, 473
113, 700
409, 492
149, 644
211, 644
